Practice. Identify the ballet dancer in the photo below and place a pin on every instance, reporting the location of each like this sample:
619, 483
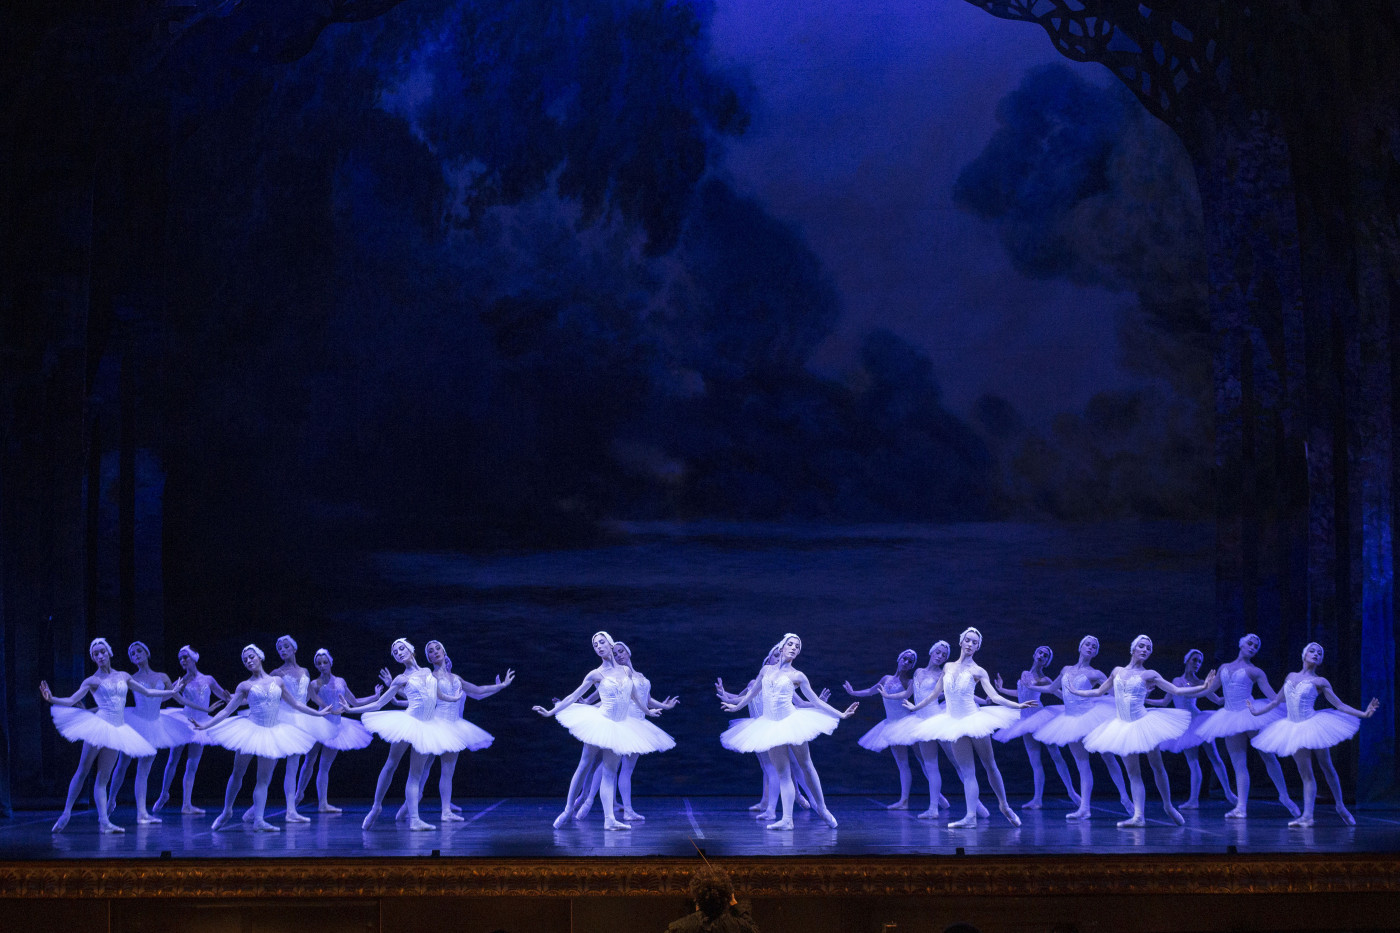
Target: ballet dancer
416, 730
296, 683
970, 727
901, 733
262, 734
783, 726
1237, 726
330, 692
607, 731
1033, 719
1191, 744
1309, 733
198, 692
104, 732
623, 654
452, 696
168, 729
1136, 729
1081, 716
888, 687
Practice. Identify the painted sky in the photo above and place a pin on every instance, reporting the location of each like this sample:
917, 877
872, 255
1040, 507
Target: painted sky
865, 112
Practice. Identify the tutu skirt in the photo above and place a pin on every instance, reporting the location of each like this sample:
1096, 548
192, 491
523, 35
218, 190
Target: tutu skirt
1190, 738
345, 735
1322, 729
1064, 729
902, 731
474, 738
279, 740
427, 736
83, 725
761, 733
1223, 722
627, 736
1121, 737
169, 729
876, 739
946, 728
1029, 723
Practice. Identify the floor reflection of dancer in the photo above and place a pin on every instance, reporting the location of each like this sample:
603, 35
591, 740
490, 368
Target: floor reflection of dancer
923, 682
1081, 716
452, 696
1135, 729
1191, 743
784, 726
970, 727
197, 692
623, 655
1309, 733
338, 734
262, 734
104, 732
607, 731
888, 688
1237, 726
415, 730
168, 729
1033, 719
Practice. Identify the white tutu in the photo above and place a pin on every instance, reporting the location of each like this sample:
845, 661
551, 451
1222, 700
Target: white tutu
169, 729
474, 738
626, 736
1190, 738
948, 728
760, 734
1037, 719
1223, 722
279, 740
345, 734
428, 736
84, 725
903, 731
1130, 737
875, 739
1065, 728
318, 727
1323, 729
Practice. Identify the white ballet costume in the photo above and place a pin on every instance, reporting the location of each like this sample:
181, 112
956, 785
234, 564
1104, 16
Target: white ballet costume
877, 739
1192, 736
163, 728
610, 724
260, 730
298, 686
1235, 717
1079, 716
105, 727
781, 723
1135, 728
1305, 727
343, 734
903, 731
199, 692
962, 717
417, 725
466, 735
1032, 718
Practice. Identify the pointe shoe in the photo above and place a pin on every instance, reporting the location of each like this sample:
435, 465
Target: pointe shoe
248, 815
982, 811
455, 808
582, 811
221, 820
766, 815
1230, 797
160, 803
759, 806
562, 819
1074, 798
1302, 822
967, 822
1290, 806
830, 818
614, 823
1175, 816
943, 803
633, 815
145, 819
328, 808
190, 809
1345, 814
263, 826
1010, 814
402, 812
784, 824
1031, 805
1132, 822
1083, 813
109, 827
61, 823
929, 814
899, 805
1236, 814
371, 816
418, 825
1191, 805
803, 802
295, 817
449, 817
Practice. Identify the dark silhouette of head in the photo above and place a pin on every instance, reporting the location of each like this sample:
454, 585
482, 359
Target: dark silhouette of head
712, 890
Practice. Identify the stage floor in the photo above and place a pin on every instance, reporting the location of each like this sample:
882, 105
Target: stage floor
721, 826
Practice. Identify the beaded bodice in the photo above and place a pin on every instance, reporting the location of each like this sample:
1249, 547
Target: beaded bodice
420, 689
110, 697
1130, 695
778, 687
958, 688
1301, 696
264, 702
1237, 686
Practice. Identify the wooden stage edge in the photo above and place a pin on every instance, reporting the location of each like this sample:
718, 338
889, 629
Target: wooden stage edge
775, 877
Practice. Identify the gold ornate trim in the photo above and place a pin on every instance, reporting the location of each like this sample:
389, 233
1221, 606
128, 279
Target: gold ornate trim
668, 877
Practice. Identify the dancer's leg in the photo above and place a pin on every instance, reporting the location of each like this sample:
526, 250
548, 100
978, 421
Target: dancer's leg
106, 760
289, 789
983, 745
172, 764
958, 767
787, 790
962, 758
624, 787
1193, 764
928, 760
1275, 770
1237, 747
86, 759
1115, 773
308, 770
418, 763
579, 783
192, 758
767, 805
1303, 758
447, 767
143, 776
323, 781
1139, 792
608, 762
1334, 783
381, 787
1037, 773
114, 784
1159, 774
265, 768
814, 783
906, 777
235, 784
1082, 761
799, 780
1221, 774
1061, 768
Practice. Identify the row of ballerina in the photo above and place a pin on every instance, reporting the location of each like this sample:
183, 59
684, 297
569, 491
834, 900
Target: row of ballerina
926, 709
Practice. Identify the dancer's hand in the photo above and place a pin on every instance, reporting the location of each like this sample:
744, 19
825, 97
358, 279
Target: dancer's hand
825, 694
670, 702
502, 684
45, 692
846, 685
542, 711
997, 680
1371, 708
386, 677
729, 707
653, 713
1028, 704
850, 710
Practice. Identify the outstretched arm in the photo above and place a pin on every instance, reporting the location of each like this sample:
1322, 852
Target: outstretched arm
995, 696
239, 695
299, 706
1326, 689
1050, 687
806, 687
75, 699
1261, 680
878, 687
146, 691
734, 705
1205, 686
592, 678
395, 686
933, 695
1098, 691
482, 692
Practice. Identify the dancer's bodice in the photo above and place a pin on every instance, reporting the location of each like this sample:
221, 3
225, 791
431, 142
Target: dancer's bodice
894, 708
1237, 686
1301, 696
146, 707
1075, 704
449, 708
297, 685
328, 692
1026, 693
110, 697
1186, 703
420, 689
264, 702
924, 682
197, 691
643, 691
778, 687
1130, 696
615, 694
958, 688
